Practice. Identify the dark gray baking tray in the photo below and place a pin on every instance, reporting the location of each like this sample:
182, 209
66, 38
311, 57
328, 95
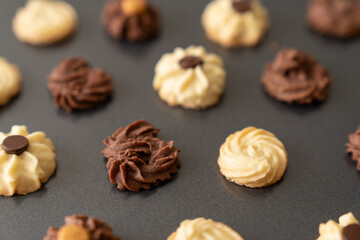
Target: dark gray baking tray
321, 181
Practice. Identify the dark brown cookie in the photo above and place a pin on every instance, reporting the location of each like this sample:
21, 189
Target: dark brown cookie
76, 86
131, 20
338, 18
354, 147
137, 159
295, 77
94, 228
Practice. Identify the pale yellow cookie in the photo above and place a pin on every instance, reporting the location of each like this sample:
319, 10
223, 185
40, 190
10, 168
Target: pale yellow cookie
10, 81
253, 157
204, 229
191, 78
231, 28
43, 22
333, 230
26, 161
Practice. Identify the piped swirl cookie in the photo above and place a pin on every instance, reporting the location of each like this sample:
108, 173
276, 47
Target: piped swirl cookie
353, 147
234, 23
80, 227
191, 78
204, 229
10, 81
253, 157
26, 161
137, 159
76, 86
348, 228
296, 77
43, 22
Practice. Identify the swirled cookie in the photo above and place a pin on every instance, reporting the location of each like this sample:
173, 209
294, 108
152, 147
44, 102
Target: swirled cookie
43, 22
190, 77
253, 157
10, 81
204, 229
234, 23
336, 18
76, 86
348, 228
80, 227
296, 77
26, 161
131, 20
137, 159
353, 147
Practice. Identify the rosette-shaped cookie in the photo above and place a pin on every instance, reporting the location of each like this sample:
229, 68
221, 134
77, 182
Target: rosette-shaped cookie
76, 86
234, 23
10, 81
131, 20
204, 229
190, 77
44, 21
354, 147
79, 227
296, 77
26, 161
337, 18
253, 157
137, 159
348, 228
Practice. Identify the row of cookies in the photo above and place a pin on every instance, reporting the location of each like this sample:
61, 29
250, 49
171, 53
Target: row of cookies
80, 227
231, 23
191, 78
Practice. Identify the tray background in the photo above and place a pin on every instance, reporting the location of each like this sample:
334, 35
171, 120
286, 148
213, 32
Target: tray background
321, 181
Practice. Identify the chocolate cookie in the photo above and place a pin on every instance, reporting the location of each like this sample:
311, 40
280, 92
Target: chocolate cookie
338, 18
354, 147
76, 86
78, 227
296, 77
137, 159
131, 20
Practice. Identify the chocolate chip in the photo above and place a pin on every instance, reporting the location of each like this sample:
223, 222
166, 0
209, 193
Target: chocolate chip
190, 62
15, 144
351, 232
241, 6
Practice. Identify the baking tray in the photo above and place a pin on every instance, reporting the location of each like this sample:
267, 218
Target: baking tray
321, 182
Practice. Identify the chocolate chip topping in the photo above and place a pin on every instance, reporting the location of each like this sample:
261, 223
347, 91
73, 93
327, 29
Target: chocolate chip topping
76, 86
295, 77
351, 232
190, 62
339, 18
137, 159
97, 228
354, 147
131, 27
241, 6
15, 144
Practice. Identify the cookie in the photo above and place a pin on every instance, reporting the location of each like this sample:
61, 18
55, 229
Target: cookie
253, 157
235, 23
296, 77
353, 147
204, 229
137, 159
348, 228
76, 86
10, 81
43, 22
26, 161
80, 227
337, 18
131, 20
191, 78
